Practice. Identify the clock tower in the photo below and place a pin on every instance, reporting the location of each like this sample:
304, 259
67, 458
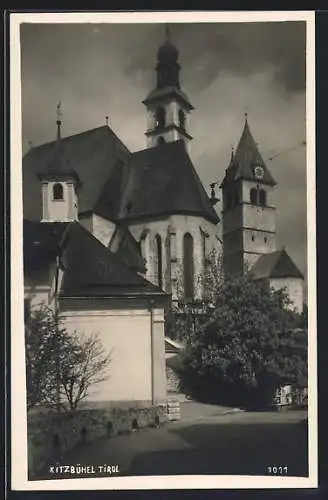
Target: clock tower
248, 216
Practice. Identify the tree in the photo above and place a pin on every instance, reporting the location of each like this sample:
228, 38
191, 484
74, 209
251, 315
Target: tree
185, 318
247, 348
86, 366
61, 367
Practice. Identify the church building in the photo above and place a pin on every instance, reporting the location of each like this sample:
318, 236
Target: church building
115, 235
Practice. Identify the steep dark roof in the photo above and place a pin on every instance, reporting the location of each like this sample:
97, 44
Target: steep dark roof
124, 244
41, 242
162, 181
90, 269
93, 270
95, 155
246, 157
275, 265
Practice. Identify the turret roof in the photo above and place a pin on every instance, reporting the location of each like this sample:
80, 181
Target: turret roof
245, 159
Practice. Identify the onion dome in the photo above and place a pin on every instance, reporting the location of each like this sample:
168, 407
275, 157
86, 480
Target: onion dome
167, 53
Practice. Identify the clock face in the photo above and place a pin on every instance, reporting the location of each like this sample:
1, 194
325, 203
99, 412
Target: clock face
259, 172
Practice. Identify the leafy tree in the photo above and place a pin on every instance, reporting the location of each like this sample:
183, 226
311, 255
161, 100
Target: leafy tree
248, 346
60, 367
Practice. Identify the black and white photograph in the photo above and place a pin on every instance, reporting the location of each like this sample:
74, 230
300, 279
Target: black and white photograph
163, 250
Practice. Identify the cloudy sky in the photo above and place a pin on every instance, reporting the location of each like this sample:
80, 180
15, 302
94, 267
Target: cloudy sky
103, 69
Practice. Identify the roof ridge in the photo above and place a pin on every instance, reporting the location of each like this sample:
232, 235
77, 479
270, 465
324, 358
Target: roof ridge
79, 134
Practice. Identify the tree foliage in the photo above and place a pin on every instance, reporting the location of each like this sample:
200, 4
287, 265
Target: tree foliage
249, 344
61, 367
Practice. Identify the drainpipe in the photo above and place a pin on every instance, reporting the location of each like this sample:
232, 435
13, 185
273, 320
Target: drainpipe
151, 304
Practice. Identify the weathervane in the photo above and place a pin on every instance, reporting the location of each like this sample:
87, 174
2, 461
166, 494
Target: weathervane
58, 122
246, 113
167, 32
213, 197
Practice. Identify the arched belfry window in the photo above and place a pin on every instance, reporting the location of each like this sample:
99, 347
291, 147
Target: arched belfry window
262, 197
159, 260
182, 119
160, 117
253, 196
161, 141
188, 267
58, 191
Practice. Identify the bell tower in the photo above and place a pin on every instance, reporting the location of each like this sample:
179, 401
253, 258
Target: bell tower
59, 185
248, 216
168, 107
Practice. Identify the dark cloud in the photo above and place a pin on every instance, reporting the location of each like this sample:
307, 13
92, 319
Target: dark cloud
244, 48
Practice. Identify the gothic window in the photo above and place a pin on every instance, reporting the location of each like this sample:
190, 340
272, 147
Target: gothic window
160, 117
58, 191
161, 141
265, 239
188, 267
182, 119
253, 196
262, 197
159, 260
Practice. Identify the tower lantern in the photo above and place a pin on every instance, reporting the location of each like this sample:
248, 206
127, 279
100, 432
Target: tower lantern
167, 105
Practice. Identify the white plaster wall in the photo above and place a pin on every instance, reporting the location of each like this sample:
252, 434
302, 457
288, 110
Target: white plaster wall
178, 226
127, 334
38, 296
264, 242
101, 228
263, 218
294, 288
59, 210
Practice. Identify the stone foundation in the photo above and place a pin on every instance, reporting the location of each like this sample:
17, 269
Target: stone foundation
50, 435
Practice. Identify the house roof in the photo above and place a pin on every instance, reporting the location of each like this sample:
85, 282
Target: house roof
124, 244
94, 155
117, 184
41, 242
162, 180
275, 265
90, 269
245, 159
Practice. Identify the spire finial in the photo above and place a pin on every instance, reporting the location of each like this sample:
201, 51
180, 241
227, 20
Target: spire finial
246, 114
167, 32
58, 122
106, 119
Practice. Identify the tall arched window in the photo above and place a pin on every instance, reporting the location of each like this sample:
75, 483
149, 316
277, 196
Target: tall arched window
182, 119
160, 117
262, 197
160, 141
253, 196
188, 267
58, 191
159, 260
